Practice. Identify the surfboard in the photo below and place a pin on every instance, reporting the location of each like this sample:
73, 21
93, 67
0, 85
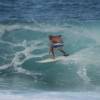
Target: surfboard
48, 60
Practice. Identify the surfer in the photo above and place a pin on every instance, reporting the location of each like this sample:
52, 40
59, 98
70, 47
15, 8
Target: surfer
56, 42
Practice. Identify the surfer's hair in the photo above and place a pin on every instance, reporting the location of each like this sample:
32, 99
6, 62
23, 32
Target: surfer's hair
50, 36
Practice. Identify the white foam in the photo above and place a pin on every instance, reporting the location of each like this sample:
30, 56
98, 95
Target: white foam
26, 72
2, 67
77, 30
27, 52
22, 56
82, 72
39, 27
51, 96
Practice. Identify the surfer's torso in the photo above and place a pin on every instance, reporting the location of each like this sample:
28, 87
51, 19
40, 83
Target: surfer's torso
56, 41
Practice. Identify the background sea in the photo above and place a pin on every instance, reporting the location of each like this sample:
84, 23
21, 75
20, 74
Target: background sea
24, 29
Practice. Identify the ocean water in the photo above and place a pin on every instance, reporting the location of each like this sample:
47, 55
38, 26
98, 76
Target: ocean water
24, 29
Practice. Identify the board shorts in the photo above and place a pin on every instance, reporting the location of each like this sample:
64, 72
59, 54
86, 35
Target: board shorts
57, 45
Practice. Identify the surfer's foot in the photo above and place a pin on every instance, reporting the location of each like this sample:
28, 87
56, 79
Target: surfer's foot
66, 54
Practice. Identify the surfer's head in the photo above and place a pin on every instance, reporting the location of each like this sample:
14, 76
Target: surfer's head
56, 36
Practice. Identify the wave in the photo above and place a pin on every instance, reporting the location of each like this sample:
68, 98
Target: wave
27, 43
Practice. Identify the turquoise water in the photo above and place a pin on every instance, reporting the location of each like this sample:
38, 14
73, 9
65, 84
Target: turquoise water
21, 45
24, 29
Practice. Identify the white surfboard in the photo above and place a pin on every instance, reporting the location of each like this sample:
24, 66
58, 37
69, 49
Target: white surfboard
51, 59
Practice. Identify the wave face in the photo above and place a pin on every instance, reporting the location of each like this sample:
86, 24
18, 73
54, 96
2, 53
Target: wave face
21, 45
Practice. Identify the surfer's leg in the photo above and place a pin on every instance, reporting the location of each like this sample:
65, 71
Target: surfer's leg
64, 53
52, 51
